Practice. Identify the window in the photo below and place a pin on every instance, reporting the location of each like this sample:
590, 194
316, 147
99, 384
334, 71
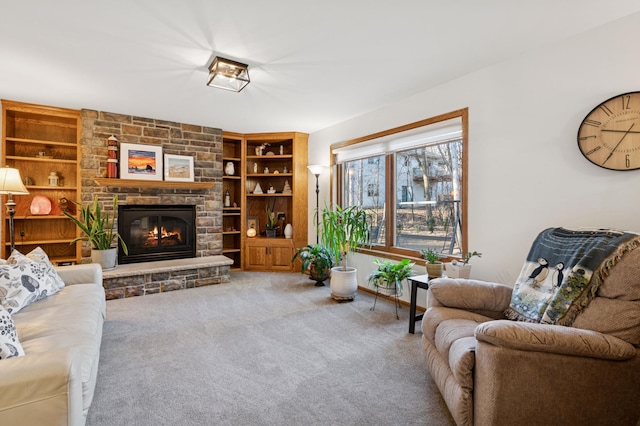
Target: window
411, 181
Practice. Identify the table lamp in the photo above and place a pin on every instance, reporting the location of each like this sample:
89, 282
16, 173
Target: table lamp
10, 184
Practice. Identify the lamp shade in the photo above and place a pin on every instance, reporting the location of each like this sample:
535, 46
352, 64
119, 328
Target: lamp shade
316, 169
228, 75
11, 182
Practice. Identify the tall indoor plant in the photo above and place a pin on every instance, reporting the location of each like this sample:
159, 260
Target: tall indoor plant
343, 231
97, 226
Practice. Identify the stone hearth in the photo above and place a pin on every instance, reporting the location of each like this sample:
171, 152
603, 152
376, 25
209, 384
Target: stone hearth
139, 279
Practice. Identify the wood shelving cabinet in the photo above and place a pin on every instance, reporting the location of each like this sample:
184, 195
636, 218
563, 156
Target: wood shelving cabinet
38, 140
232, 215
274, 161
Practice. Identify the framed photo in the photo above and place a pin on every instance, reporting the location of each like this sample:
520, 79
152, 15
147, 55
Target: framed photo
253, 222
178, 168
142, 162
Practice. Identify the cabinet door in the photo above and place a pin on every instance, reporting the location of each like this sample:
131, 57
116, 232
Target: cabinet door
257, 258
281, 258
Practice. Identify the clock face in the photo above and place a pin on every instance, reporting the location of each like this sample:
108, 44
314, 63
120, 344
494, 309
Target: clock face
609, 136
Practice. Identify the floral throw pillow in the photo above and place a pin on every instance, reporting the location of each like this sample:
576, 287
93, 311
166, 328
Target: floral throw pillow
24, 283
38, 255
9, 344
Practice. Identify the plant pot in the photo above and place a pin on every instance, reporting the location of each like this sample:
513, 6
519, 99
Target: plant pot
319, 279
389, 289
457, 271
272, 232
105, 258
434, 270
344, 283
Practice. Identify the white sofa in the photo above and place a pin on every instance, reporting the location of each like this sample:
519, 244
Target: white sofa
53, 383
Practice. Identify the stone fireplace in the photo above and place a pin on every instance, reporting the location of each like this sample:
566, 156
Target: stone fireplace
204, 144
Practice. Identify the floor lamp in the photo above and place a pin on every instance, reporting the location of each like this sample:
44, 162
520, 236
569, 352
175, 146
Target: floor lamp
10, 184
316, 170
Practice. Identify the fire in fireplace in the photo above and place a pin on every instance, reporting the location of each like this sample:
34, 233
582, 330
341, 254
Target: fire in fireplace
156, 232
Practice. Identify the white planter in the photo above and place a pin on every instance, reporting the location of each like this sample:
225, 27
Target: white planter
457, 271
344, 283
106, 258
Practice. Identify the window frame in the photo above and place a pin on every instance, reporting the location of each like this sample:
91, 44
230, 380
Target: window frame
388, 249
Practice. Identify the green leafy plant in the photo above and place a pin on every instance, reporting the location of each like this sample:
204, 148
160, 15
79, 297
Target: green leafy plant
430, 255
390, 274
315, 258
97, 225
343, 231
272, 221
467, 258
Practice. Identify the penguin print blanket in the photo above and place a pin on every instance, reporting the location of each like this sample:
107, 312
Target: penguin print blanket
563, 271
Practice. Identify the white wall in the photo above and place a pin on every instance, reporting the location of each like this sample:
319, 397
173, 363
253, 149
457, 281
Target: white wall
525, 170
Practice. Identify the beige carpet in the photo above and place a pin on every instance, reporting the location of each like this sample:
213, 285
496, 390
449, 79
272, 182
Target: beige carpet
265, 349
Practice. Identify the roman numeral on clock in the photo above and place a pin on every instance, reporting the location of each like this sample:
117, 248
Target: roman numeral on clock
593, 150
606, 109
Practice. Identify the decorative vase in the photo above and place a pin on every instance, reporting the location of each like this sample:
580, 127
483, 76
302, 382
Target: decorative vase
434, 270
105, 258
288, 231
230, 169
344, 283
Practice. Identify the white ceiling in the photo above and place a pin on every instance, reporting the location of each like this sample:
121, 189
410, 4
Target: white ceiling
312, 63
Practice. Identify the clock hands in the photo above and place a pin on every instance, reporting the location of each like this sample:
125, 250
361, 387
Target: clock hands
618, 144
620, 131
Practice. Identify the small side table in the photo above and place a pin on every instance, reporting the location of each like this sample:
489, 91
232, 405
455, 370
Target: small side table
421, 281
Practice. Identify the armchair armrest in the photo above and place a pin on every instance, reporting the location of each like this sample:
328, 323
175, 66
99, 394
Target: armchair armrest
87, 273
486, 298
554, 339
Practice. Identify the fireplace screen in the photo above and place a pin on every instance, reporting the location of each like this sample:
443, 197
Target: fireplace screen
156, 232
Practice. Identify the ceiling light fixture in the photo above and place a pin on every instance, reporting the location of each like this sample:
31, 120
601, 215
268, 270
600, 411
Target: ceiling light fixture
227, 74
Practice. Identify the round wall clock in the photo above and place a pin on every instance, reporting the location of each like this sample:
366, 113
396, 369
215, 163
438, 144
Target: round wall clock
609, 136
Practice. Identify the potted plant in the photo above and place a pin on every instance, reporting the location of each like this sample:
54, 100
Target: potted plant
97, 226
461, 269
387, 279
434, 266
317, 259
272, 221
343, 231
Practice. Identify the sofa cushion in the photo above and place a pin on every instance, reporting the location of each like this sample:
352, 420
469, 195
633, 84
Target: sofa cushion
462, 359
49, 326
616, 308
451, 330
24, 283
9, 344
39, 256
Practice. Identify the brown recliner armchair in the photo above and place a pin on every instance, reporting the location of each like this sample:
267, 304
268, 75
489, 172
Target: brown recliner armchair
495, 371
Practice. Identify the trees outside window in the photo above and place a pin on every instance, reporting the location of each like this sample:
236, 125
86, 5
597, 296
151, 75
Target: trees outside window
411, 182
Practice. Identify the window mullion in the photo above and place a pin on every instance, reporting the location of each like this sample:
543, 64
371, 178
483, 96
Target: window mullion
390, 200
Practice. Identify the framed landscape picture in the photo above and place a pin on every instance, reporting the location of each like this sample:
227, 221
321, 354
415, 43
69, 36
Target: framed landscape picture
178, 168
142, 162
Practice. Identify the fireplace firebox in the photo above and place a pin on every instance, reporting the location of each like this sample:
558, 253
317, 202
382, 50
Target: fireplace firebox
156, 232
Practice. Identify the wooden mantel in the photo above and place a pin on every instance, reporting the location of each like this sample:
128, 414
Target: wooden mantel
163, 184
